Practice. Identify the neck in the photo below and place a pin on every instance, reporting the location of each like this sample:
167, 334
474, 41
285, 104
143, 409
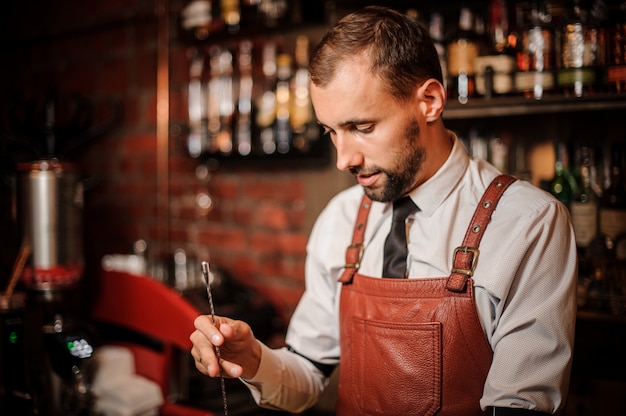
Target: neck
439, 146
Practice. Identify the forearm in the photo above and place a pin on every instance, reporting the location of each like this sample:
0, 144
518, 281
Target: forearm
286, 381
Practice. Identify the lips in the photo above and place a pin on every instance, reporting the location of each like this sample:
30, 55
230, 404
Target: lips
368, 180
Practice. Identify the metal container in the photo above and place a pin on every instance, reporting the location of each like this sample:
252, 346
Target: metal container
49, 211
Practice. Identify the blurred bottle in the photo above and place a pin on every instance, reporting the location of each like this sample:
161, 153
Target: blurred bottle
266, 102
213, 100
230, 11
535, 59
243, 127
613, 201
598, 275
616, 76
579, 49
283, 99
499, 153
197, 138
200, 19
303, 125
600, 24
498, 27
462, 52
273, 12
562, 185
596, 272
221, 102
495, 65
584, 205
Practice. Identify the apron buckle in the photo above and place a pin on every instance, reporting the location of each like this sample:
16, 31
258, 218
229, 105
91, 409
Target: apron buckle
461, 266
355, 254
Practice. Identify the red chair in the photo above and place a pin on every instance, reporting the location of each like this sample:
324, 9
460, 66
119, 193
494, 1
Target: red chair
148, 308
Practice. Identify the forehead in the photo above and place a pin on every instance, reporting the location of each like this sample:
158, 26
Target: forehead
353, 93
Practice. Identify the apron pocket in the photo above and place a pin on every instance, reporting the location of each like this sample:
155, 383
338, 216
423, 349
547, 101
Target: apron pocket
395, 369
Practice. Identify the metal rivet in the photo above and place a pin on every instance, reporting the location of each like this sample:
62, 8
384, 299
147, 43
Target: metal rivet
499, 184
366, 205
360, 226
476, 228
486, 204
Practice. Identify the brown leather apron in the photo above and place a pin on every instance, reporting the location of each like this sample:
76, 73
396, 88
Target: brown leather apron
414, 347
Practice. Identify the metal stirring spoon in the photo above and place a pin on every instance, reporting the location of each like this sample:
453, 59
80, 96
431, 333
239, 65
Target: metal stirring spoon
205, 275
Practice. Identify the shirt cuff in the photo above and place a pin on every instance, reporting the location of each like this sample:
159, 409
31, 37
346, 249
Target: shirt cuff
268, 375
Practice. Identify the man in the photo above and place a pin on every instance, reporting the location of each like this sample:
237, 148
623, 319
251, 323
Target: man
490, 328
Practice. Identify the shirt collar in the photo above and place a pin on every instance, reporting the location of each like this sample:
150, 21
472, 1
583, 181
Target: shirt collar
431, 194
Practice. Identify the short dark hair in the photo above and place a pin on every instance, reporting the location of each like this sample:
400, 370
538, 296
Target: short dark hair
400, 49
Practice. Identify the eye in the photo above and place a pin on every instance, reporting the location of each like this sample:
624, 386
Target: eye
364, 128
327, 130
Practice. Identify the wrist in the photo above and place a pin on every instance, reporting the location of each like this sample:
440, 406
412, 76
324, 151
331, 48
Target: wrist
251, 367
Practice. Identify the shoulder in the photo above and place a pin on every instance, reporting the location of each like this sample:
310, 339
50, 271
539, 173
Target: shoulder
520, 199
529, 218
526, 199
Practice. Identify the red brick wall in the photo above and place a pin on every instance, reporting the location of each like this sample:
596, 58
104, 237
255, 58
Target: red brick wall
258, 226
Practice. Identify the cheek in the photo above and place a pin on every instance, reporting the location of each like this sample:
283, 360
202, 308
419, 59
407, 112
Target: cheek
386, 153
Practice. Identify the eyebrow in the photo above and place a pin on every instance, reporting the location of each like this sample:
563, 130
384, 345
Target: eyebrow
348, 123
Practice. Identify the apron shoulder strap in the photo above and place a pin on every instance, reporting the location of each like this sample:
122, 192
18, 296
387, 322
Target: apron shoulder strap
354, 252
465, 257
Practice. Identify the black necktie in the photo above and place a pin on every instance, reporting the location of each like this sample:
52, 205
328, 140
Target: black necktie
394, 263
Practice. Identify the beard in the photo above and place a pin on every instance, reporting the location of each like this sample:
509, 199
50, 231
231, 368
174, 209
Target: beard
399, 179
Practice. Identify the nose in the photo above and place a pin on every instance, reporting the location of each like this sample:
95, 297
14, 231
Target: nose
347, 153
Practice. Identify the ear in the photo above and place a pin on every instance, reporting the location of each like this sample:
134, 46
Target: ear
432, 97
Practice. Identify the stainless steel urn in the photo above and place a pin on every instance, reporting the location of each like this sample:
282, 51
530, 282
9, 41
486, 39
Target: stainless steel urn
49, 209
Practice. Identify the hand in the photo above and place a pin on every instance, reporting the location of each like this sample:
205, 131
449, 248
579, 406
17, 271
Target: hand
239, 349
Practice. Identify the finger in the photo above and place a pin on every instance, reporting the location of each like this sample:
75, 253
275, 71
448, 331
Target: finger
204, 324
231, 369
201, 368
198, 361
203, 353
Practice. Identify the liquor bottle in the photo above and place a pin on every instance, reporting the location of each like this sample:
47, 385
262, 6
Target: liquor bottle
599, 20
584, 205
273, 12
266, 102
303, 125
213, 100
283, 100
199, 19
231, 14
535, 60
197, 138
562, 185
578, 53
462, 52
494, 66
499, 153
221, 102
613, 201
243, 127
498, 27
598, 274
616, 76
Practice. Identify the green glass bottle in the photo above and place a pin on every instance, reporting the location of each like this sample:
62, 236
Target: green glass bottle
562, 185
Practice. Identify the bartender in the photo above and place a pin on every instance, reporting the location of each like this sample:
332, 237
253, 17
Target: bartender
476, 316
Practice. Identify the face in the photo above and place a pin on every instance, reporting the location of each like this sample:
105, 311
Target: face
377, 138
